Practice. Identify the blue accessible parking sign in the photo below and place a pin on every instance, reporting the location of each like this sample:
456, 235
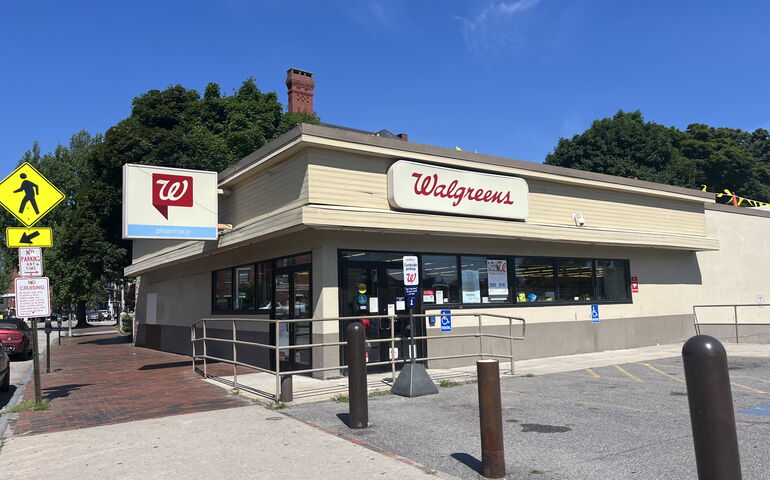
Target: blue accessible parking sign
446, 320
594, 313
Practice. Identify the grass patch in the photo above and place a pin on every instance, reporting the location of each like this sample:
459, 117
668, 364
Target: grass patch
30, 405
528, 375
341, 398
537, 472
379, 393
447, 383
278, 406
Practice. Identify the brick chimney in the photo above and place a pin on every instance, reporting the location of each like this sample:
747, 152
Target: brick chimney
300, 85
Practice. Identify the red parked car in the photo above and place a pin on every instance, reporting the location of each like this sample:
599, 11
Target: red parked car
16, 337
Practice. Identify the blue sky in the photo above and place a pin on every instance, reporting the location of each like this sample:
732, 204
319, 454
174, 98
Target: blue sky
500, 77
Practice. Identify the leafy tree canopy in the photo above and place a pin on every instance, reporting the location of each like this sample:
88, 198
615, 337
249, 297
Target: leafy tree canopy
175, 127
627, 146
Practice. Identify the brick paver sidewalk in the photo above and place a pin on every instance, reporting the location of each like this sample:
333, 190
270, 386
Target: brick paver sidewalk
104, 379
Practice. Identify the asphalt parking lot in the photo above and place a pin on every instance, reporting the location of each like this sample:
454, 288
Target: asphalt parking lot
620, 421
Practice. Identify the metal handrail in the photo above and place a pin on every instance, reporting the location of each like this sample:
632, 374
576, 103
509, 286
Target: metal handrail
735, 322
276, 348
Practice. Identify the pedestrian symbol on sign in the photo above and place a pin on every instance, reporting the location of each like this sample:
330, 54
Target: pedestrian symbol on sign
30, 190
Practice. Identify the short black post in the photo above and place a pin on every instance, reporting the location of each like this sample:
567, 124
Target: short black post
48, 329
287, 388
491, 419
711, 409
358, 399
58, 326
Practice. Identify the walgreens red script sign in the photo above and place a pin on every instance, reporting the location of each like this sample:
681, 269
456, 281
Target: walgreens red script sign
426, 188
171, 191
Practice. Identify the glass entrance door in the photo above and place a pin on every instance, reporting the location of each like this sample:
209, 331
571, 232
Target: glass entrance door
293, 301
377, 288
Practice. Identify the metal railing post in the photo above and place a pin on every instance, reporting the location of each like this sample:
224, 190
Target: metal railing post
205, 352
510, 343
735, 315
235, 358
481, 338
392, 350
277, 362
695, 320
192, 340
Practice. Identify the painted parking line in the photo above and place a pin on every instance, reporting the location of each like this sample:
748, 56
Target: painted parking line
657, 370
750, 378
745, 387
630, 375
748, 388
761, 410
592, 373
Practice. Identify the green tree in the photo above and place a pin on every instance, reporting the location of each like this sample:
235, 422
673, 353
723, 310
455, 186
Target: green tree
175, 127
627, 146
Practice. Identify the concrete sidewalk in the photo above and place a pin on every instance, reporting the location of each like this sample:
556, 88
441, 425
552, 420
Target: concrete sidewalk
245, 442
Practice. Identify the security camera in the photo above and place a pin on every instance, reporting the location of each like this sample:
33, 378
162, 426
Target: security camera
579, 219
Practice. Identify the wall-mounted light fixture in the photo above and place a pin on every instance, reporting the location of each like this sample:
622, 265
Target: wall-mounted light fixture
579, 219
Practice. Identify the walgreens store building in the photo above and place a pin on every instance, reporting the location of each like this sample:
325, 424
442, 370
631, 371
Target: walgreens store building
322, 216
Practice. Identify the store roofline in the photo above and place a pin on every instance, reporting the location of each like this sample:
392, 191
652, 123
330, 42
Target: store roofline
295, 136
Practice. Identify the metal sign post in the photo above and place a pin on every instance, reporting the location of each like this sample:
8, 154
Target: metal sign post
35, 360
33, 301
413, 381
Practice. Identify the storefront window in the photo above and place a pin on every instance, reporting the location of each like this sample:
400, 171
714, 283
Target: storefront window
534, 280
575, 280
223, 289
246, 291
612, 282
264, 287
484, 280
439, 279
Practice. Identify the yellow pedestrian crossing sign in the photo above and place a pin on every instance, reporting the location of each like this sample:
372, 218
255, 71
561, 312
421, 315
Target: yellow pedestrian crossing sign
28, 195
20, 237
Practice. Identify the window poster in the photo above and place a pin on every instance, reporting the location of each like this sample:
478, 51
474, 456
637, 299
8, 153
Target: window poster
497, 271
471, 287
428, 295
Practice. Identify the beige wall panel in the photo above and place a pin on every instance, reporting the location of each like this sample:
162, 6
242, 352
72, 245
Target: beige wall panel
468, 226
739, 272
555, 203
340, 178
279, 188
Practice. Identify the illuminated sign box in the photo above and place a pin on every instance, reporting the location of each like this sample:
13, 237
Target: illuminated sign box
427, 188
169, 203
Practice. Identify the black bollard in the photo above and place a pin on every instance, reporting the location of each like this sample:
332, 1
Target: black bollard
358, 399
711, 409
491, 419
287, 388
48, 329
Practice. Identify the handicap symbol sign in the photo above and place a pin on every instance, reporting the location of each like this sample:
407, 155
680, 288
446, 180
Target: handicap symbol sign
594, 313
446, 321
